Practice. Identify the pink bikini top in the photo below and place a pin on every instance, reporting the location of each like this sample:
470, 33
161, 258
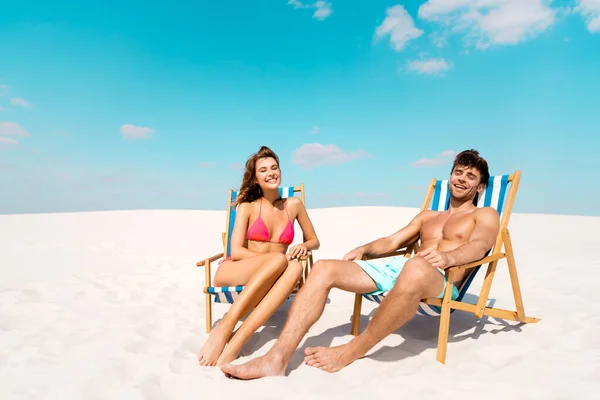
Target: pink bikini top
259, 232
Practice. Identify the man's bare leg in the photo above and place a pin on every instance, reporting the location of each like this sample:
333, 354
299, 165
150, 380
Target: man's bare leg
417, 280
305, 311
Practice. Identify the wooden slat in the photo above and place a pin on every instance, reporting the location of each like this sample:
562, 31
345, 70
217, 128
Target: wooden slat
356, 314
489, 311
429, 195
208, 303
445, 321
211, 259
512, 270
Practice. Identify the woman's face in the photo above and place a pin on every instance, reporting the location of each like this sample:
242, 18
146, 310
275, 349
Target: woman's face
268, 174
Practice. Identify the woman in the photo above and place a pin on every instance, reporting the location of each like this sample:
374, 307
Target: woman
260, 258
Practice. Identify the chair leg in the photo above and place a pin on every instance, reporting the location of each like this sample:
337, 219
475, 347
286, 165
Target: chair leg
514, 279
356, 314
208, 313
445, 320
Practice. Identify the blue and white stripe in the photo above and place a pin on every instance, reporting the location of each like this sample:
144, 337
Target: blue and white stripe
228, 294
225, 294
493, 195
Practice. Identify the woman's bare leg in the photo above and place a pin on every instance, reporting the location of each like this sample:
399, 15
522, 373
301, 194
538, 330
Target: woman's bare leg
263, 311
267, 268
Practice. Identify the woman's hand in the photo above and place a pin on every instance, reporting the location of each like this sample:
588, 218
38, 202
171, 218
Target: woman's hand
297, 251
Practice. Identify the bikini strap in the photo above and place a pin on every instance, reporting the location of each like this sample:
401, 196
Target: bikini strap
285, 208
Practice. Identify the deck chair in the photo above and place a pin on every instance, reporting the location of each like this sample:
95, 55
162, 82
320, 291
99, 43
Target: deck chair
500, 194
228, 294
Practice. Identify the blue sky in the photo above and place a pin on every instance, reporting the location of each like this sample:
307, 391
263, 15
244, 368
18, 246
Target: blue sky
153, 105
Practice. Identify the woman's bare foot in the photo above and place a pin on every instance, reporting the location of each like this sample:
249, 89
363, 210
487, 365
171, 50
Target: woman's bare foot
214, 345
268, 365
230, 353
332, 359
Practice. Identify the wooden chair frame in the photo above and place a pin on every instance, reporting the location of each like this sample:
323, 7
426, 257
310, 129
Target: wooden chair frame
305, 261
480, 309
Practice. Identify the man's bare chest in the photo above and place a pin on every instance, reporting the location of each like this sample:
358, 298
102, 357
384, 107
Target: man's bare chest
457, 227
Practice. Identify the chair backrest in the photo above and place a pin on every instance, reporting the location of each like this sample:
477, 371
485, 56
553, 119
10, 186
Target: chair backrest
284, 192
499, 194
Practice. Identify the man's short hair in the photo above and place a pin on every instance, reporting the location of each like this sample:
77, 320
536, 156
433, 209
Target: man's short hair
472, 159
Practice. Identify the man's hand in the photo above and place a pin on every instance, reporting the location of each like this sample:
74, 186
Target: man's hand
436, 258
355, 254
296, 251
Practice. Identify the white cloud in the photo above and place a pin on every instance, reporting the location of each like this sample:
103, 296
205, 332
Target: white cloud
237, 166
2, 108
491, 22
399, 25
3, 90
130, 131
322, 8
441, 159
314, 130
429, 66
17, 101
315, 154
12, 129
590, 11
297, 4
8, 141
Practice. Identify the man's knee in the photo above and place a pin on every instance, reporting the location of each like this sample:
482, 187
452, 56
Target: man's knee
323, 272
416, 275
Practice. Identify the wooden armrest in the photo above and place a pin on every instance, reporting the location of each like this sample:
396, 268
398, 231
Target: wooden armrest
391, 254
210, 260
474, 264
306, 257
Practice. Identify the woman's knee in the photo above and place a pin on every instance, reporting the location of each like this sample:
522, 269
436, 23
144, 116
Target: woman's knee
294, 267
276, 263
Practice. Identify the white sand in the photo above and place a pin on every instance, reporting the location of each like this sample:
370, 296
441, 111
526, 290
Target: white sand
109, 305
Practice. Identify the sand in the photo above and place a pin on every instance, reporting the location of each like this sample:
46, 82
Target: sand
109, 305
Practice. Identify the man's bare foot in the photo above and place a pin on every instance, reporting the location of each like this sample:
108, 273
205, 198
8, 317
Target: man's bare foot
332, 359
214, 345
267, 365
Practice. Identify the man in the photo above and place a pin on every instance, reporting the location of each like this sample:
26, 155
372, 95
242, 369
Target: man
462, 234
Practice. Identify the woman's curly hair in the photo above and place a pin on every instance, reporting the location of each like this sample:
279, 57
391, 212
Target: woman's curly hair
250, 190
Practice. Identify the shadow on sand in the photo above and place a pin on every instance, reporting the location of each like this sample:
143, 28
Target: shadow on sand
419, 334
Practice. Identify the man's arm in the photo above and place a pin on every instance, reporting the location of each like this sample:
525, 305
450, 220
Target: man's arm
402, 238
482, 239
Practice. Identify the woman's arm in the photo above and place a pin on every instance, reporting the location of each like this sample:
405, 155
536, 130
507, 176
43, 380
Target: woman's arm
238, 236
311, 241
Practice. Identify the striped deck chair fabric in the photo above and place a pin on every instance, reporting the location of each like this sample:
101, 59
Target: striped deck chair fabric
228, 294
492, 196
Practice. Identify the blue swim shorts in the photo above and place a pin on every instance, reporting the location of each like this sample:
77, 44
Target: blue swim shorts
385, 271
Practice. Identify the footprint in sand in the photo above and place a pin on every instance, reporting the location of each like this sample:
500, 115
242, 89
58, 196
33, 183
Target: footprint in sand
115, 377
29, 296
150, 388
139, 347
183, 362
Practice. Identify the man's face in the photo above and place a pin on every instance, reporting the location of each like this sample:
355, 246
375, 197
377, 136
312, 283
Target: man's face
464, 182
